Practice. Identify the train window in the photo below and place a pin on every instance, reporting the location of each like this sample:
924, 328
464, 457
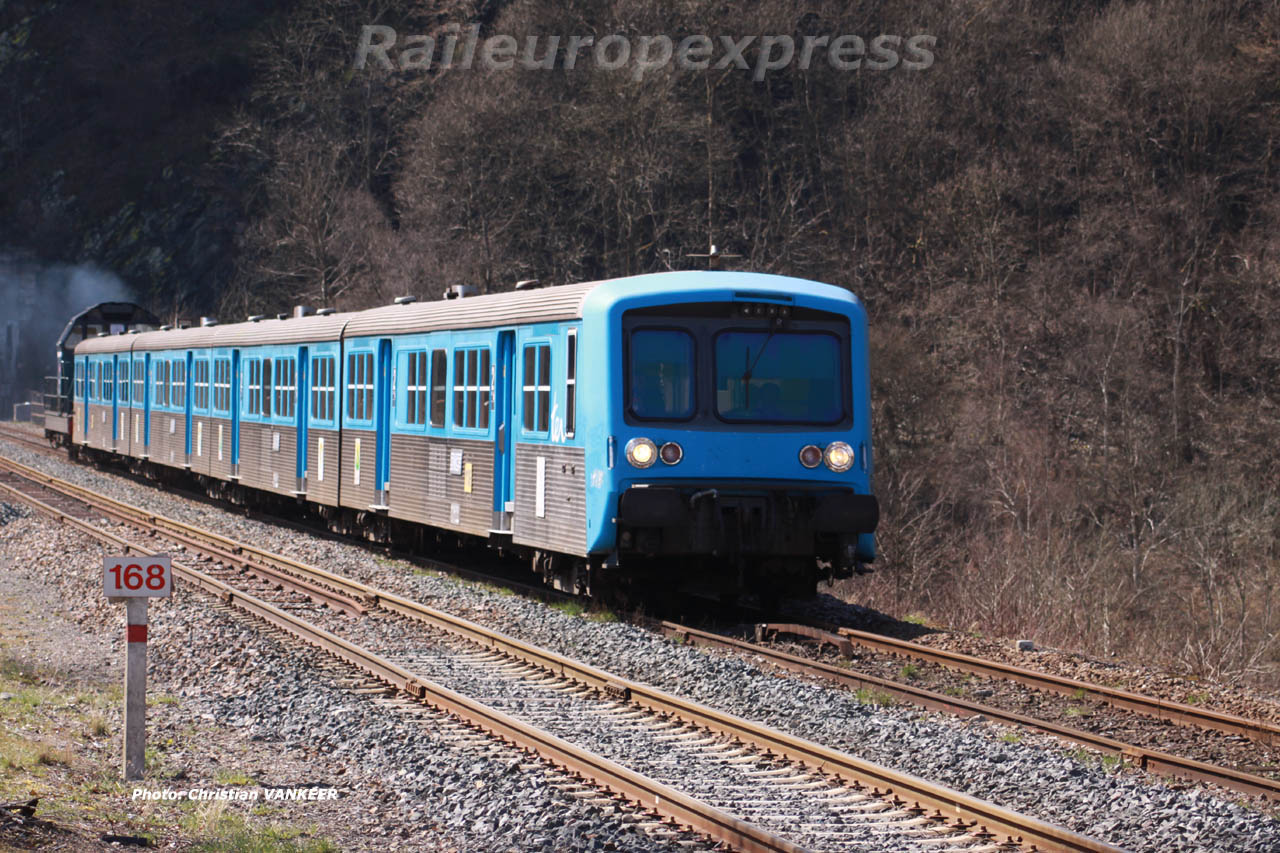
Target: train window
222, 385
779, 377
571, 384
322, 390
439, 385
483, 391
93, 381
255, 387
286, 391
200, 384
537, 387
108, 382
79, 380
122, 379
360, 386
162, 383
416, 388
471, 388
661, 374
266, 387
178, 397
139, 382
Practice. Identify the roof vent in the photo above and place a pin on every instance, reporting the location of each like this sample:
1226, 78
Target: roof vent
256, 318
325, 312
406, 300
133, 331
105, 334
528, 284
205, 322
459, 291
164, 327
300, 311
282, 316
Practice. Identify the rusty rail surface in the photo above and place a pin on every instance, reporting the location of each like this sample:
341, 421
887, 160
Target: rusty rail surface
1176, 712
963, 810
1162, 763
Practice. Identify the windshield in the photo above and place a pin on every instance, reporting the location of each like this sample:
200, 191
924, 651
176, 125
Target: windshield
783, 377
661, 374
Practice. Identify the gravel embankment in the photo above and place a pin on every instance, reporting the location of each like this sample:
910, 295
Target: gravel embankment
1034, 775
403, 784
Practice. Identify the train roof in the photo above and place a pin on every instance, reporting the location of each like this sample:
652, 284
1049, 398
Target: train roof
542, 305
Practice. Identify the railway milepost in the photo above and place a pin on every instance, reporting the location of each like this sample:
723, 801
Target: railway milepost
133, 580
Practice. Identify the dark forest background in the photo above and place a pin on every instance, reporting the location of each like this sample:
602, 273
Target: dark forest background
1067, 233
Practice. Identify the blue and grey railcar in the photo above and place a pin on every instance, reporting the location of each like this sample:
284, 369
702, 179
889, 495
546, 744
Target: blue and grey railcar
711, 426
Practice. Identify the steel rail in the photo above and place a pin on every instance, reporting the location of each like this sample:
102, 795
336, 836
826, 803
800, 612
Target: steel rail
1155, 761
187, 535
645, 792
1177, 712
946, 804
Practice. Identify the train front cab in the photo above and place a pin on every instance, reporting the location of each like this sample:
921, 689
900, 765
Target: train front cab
717, 388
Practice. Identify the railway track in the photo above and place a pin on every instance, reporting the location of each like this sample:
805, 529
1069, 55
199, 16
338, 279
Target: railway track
769, 791
1161, 761
1153, 760
328, 590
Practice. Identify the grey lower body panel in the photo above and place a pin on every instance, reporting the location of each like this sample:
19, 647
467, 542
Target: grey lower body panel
442, 482
551, 500
269, 457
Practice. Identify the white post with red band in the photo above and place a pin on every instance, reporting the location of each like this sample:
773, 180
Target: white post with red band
135, 689
133, 580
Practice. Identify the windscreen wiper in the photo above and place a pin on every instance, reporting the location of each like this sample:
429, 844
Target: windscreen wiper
751, 366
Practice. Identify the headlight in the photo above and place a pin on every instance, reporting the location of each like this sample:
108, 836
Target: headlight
810, 456
671, 453
839, 457
641, 452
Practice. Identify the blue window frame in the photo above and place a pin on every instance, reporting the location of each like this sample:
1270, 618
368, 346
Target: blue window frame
537, 388
222, 386
93, 381
360, 386
471, 388
417, 387
661, 378
79, 380
162, 383
285, 388
178, 384
122, 378
571, 383
139, 381
108, 381
323, 388
439, 385
253, 405
200, 384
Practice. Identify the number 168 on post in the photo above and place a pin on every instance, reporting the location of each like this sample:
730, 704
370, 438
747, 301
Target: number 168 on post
137, 576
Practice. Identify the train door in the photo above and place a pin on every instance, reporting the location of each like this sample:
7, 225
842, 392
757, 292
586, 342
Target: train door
186, 410
504, 459
147, 391
383, 402
84, 407
115, 401
235, 413
303, 416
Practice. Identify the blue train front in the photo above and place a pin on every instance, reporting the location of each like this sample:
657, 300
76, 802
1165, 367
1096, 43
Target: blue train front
732, 439
711, 430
